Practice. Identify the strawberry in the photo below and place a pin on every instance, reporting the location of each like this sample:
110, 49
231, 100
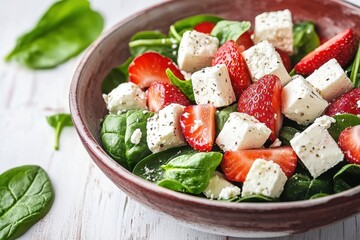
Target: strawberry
161, 94
349, 142
204, 27
198, 126
285, 59
263, 101
236, 165
342, 47
150, 67
230, 55
347, 103
245, 40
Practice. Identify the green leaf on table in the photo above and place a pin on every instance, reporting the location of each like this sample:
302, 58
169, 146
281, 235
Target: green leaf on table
286, 134
347, 177
342, 121
184, 85
26, 196
355, 75
229, 30
65, 30
221, 116
58, 122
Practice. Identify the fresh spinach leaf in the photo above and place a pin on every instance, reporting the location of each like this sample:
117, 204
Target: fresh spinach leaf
58, 122
286, 134
354, 76
184, 85
26, 196
65, 30
229, 30
319, 195
342, 121
347, 177
222, 116
305, 40
255, 198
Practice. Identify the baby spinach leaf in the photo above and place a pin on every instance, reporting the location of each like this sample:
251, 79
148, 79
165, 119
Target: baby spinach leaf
305, 40
66, 29
222, 116
354, 76
26, 196
184, 85
286, 134
319, 195
58, 122
347, 177
255, 198
229, 30
342, 121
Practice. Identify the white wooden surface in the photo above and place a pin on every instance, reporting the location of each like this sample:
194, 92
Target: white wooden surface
87, 204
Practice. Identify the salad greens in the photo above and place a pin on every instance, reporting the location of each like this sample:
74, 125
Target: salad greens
58, 122
347, 177
342, 121
355, 75
223, 115
117, 76
184, 85
229, 30
286, 134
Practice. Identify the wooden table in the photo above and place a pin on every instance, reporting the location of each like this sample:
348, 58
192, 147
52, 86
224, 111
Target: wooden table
87, 204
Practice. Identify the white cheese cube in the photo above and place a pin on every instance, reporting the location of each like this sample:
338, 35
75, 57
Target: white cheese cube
316, 148
277, 28
163, 129
330, 80
262, 59
301, 102
213, 85
242, 131
196, 51
125, 97
219, 188
265, 178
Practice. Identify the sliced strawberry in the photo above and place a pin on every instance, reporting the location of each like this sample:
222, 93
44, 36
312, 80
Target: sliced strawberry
161, 94
204, 27
342, 47
263, 101
349, 142
230, 55
236, 165
285, 59
198, 126
245, 40
150, 67
347, 103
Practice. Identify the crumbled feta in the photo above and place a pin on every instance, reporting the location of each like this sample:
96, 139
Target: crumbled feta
325, 121
136, 136
276, 143
229, 192
220, 188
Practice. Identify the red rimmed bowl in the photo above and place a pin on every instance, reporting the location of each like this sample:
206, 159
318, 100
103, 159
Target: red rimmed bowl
232, 219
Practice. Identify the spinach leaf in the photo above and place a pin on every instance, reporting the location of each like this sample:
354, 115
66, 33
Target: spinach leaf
26, 196
222, 116
354, 76
184, 85
229, 30
319, 195
286, 134
342, 121
66, 29
255, 198
305, 40
347, 177
58, 122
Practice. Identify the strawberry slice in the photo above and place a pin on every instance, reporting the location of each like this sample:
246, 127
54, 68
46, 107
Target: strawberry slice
245, 40
262, 100
204, 27
161, 94
349, 142
347, 103
342, 47
236, 165
285, 59
230, 55
198, 126
150, 67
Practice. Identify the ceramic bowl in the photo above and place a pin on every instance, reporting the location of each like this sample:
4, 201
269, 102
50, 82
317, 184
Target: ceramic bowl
232, 219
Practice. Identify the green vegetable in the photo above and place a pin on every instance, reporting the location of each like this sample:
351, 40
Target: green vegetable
255, 198
319, 195
347, 177
342, 121
354, 76
66, 29
58, 122
222, 116
229, 30
286, 134
26, 196
184, 85
305, 40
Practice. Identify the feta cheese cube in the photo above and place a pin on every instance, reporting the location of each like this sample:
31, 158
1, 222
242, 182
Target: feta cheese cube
219, 188
330, 80
242, 131
163, 129
265, 178
125, 97
213, 85
316, 148
277, 28
262, 59
301, 102
196, 51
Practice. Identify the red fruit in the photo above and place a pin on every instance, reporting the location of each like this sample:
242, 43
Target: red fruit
349, 142
150, 67
285, 59
198, 126
263, 101
236, 165
204, 27
230, 55
347, 103
162, 94
342, 47
245, 40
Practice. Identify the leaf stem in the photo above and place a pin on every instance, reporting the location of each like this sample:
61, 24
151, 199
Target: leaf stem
175, 33
355, 68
